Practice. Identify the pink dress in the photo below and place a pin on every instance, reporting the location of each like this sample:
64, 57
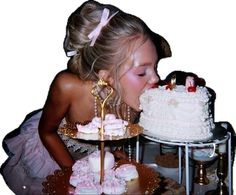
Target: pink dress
29, 162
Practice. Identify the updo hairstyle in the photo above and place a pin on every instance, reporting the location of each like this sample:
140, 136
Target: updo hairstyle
114, 45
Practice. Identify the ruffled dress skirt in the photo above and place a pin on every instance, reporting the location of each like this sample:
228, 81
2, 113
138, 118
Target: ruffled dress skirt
29, 163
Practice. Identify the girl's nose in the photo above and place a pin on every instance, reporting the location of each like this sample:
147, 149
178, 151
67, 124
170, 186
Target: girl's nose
153, 79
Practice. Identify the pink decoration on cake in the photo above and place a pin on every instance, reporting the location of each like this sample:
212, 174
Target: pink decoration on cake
86, 176
88, 188
127, 172
112, 126
114, 186
80, 166
115, 127
81, 177
92, 127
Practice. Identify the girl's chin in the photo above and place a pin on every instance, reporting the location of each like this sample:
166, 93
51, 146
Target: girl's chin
134, 106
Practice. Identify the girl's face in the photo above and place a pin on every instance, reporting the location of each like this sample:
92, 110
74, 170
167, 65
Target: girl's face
139, 74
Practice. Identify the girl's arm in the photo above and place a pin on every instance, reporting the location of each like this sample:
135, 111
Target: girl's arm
55, 109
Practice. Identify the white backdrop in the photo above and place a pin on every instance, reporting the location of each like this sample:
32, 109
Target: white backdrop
201, 34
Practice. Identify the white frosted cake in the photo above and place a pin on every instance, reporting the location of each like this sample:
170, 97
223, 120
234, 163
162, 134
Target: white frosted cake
177, 114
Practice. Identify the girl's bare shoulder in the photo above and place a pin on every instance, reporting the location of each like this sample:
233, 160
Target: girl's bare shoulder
67, 81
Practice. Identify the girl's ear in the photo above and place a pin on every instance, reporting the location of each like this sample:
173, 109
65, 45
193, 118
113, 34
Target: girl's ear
106, 76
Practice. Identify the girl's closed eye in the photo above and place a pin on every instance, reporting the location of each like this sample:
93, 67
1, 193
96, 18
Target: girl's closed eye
142, 74
146, 72
141, 71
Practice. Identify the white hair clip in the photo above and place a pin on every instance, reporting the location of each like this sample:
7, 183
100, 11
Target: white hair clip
71, 53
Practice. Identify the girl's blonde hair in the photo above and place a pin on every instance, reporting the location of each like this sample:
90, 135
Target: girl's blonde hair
115, 43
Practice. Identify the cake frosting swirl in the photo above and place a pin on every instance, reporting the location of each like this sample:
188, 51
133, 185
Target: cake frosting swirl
127, 172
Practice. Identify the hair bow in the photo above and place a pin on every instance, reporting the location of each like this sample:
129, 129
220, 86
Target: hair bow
103, 22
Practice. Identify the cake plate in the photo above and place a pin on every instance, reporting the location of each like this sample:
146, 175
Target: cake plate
218, 133
220, 136
147, 183
132, 130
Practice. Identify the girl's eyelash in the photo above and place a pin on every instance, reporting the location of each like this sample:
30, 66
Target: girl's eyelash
142, 74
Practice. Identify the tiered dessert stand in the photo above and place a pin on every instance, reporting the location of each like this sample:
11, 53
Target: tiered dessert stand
148, 181
220, 138
131, 131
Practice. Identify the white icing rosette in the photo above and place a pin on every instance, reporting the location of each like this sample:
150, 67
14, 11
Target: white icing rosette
127, 172
112, 126
80, 166
114, 186
92, 127
79, 178
88, 188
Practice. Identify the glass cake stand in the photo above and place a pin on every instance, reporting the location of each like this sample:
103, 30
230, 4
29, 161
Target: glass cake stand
220, 136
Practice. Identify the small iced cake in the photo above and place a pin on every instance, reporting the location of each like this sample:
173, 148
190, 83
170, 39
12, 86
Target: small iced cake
85, 176
92, 127
112, 126
94, 161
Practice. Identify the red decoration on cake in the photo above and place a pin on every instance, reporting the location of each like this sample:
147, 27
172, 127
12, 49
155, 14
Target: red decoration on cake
169, 87
190, 84
192, 89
